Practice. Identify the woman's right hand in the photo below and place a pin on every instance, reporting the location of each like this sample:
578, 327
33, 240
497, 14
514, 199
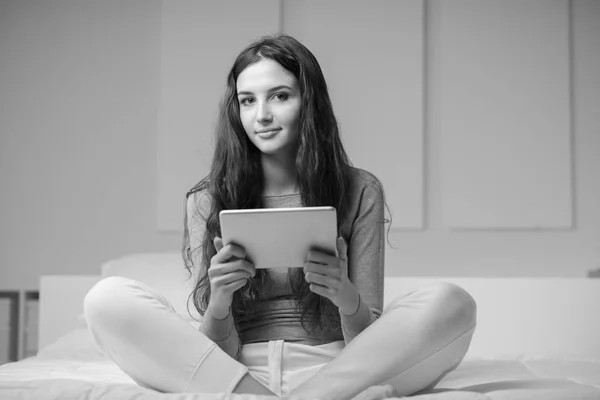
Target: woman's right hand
228, 272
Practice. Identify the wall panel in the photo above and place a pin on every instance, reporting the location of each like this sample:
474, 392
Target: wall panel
372, 56
200, 41
505, 120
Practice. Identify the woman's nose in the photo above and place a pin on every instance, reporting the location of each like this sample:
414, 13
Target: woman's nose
263, 113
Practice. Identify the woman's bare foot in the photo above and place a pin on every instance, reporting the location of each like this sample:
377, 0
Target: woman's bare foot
378, 392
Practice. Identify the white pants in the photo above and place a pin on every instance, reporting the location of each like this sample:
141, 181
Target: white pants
281, 366
418, 339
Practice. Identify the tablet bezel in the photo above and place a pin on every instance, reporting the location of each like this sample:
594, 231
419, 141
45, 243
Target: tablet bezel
280, 237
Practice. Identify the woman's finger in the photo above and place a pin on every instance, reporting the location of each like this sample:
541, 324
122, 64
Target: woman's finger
318, 256
227, 252
235, 285
225, 280
313, 277
231, 267
239, 265
342, 248
320, 290
326, 270
218, 242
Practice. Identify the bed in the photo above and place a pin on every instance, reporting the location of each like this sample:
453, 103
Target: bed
537, 338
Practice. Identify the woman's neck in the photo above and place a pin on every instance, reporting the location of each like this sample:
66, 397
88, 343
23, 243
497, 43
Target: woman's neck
280, 176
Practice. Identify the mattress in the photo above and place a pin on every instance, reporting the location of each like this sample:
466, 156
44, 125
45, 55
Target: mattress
72, 368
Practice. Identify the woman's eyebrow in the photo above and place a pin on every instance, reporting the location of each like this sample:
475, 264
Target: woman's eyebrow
274, 89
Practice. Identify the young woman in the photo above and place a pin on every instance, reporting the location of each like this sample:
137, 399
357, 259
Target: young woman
317, 332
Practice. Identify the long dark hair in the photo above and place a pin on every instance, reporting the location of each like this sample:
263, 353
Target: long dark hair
236, 180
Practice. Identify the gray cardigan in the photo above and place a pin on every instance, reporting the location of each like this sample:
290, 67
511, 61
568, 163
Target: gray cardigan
279, 318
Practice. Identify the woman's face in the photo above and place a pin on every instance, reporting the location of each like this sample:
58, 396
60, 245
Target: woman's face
269, 100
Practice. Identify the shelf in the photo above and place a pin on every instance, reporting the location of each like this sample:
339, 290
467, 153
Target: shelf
11, 321
19, 324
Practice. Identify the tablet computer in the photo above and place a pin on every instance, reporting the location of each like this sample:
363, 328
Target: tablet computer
280, 237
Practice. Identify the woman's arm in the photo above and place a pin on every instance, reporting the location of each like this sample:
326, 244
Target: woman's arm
366, 255
222, 332
219, 329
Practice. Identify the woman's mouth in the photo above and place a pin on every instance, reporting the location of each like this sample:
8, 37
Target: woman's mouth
267, 134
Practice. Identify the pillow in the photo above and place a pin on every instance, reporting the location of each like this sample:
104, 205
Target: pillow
77, 344
163, 272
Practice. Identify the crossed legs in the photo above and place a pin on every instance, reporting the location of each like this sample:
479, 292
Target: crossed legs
419, 337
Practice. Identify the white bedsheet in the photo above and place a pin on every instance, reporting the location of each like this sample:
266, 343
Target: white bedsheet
71, 368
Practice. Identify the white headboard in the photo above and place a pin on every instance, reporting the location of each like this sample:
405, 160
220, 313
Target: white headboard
532, 316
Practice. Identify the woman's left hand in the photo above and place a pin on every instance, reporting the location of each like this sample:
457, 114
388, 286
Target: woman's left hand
328, 277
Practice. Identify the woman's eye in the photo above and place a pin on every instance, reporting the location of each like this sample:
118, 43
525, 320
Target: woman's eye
281, 96
247, 101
